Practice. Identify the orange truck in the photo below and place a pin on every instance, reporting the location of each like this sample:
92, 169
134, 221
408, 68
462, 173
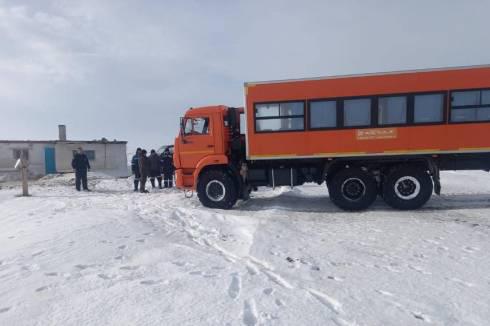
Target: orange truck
386, 134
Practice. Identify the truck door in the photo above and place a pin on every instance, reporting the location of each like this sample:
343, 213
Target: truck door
197, 140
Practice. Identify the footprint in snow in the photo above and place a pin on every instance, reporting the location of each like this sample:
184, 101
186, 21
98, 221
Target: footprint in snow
154, 282
105, 276
421, 316
129, 268
471, 249
250, 316
141, 240
335, 278
235, 286
37, 253
122, 247
42, 288
5, 309
268, 291
51, 274
82, 267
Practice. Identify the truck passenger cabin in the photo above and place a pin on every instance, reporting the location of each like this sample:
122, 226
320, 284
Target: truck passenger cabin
366, 135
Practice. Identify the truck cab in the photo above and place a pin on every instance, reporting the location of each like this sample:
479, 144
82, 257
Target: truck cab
209, 142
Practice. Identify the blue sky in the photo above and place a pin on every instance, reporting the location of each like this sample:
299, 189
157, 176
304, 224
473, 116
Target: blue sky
129, 69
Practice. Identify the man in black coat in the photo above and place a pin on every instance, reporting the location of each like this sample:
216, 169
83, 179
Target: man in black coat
144, 165
168, 168
135, 168
81, 165
155, 169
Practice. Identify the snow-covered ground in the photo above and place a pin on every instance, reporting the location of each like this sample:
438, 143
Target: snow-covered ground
286, 257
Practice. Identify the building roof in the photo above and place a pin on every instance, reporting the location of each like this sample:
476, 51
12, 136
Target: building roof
64, 141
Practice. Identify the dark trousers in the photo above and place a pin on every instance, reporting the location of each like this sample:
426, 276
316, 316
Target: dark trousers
168, 180
143, 179
81, 178
137, 178
155, 174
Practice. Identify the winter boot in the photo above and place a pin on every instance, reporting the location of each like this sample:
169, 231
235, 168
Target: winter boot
136, 185
152, 180
159, 182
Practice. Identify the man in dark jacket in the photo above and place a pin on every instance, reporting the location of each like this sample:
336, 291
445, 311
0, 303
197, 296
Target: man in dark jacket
155, 169
135, 168
144, 165
81, 165
168, 168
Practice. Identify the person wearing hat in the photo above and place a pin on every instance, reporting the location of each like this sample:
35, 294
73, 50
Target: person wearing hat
81, 166
144, 165
135, 168
155, 169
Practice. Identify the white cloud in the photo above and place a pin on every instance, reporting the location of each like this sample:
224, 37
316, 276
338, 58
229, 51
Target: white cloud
128, 69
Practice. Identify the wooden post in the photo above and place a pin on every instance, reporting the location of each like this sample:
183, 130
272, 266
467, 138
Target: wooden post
22, 165
25, 186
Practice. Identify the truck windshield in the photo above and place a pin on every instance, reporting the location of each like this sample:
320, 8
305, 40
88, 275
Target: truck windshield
196, 126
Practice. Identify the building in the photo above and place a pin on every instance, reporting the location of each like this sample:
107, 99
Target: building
55, 156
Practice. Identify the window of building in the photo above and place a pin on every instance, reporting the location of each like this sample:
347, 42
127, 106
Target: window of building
392, 110
287, 116
196, 126
21, 153
357, 112
467, 106
89, 153
428, 108
323, 114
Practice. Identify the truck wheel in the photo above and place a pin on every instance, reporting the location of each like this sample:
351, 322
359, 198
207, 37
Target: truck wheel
407, 187
352, 189
216, 189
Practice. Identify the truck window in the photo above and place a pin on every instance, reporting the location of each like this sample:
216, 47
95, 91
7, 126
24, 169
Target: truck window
196, 126
428, 108
286, 116
392, 110
323, 114
467, 106
243, 124
357, 112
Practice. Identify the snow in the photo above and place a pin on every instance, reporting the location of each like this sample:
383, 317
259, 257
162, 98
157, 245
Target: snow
286, 257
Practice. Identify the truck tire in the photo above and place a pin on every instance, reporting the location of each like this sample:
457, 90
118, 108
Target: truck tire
216, 189
407, 187
352, 189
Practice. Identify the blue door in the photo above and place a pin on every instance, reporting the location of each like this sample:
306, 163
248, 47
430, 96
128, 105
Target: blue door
50, 160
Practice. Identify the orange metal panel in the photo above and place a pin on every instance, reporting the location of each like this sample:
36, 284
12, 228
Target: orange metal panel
397, 140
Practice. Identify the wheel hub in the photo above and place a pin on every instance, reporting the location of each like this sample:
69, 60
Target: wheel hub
353, 189
407, 187
215, 190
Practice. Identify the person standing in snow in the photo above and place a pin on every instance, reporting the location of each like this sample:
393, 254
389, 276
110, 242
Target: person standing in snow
155, 169
135, 168
81, 166
168, 168
144, 165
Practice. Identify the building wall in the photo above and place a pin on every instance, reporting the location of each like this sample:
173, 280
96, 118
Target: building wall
110, 158
36, 159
